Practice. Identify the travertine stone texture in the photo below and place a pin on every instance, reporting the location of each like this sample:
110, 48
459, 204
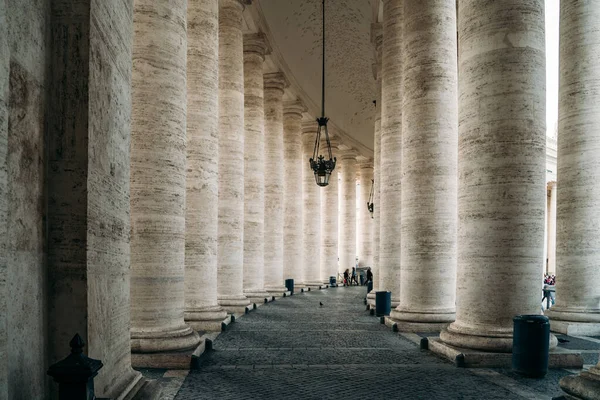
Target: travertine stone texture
346, 162
551, 227
230, 278
365, 221
4, 83
293, 163
255, 48
501, 166
578, 202
202, 178
429, 163
376, 167
89, 136
391, 150
158, 185
329, 222
24, 51
311, 210
274, 83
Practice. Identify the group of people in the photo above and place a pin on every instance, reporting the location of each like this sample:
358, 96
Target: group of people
549, 294
351, 278
549, 279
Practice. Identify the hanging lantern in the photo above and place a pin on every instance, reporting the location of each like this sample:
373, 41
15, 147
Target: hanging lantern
322, 165
370, 205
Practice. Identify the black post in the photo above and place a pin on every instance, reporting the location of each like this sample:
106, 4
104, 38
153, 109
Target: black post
75, 374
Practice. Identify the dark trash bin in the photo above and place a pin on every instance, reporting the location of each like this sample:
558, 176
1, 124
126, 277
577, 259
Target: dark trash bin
531, 345
369, 286
332, 281
383, 303
289, 284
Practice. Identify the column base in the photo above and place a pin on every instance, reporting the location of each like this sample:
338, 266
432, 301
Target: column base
174, 359
258, 296
415, 327
207, 319
470, 358
574, 322
127, 386
585, 386
179, 339
423, 318
371, 298
314, 285
278, 291
145, 390
236, 305
499, 341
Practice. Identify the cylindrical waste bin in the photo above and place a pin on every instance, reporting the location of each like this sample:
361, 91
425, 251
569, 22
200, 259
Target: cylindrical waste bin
332, 281
369, 286
531, 345
383, 303
289, 284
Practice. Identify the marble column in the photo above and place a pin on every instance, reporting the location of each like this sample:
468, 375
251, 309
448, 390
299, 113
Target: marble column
551, 231
158, 180
501, 169
87, 186
391, 150
346, 162
577, 308
329, 223
429, 167
202, 179
275, 83
230, 279
292, 190
311, 212
377, 34
365, 220
255, 48
578, 276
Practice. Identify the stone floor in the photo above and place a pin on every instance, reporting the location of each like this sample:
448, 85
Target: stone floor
294, 348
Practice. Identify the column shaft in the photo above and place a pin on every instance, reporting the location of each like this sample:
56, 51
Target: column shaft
158, 178
292, 191
551, 249
578, 203
347, 224
501, 163
391, 150
274, 83
311, 211
429, 166
365, 221
255, 47
202, 180
230, 280
329, 226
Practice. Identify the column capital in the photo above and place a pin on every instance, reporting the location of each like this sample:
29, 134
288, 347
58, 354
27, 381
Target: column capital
294, 107
346, 153
275, 80
257, 43
364, 162
242, 3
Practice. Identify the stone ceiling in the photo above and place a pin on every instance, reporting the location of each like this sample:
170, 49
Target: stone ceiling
294, 27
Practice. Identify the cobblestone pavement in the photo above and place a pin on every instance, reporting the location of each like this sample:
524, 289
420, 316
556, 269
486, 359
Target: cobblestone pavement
295, 349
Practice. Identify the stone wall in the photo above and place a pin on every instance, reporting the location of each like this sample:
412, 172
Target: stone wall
27, 27
4, 63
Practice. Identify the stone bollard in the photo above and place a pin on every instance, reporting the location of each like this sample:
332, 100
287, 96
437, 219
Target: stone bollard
75, 374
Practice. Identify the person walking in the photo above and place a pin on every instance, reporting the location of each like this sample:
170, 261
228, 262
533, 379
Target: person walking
346, 277
354, 276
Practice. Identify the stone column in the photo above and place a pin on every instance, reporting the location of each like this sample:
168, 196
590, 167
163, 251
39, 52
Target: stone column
230, 286
346, 162
501, 164
292, 190
275, 83
429, 167
87, 180
377, 34
391, 150
365, 220
551, 249
158, 181
202, 180
577, 309
311, 211
329, 223
578, 276
255, 48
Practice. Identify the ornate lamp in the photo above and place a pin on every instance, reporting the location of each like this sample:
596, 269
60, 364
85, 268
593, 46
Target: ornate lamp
370, 205
322, 166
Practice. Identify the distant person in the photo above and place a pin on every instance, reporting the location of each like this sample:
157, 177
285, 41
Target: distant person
354, 276
346, 277
369, 275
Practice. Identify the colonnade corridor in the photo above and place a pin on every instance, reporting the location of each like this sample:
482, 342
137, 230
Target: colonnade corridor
294, 348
